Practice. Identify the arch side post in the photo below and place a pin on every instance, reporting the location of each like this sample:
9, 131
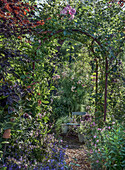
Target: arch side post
96, 85
106, 84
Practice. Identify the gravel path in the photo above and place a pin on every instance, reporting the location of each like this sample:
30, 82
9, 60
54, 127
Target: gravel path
76, 153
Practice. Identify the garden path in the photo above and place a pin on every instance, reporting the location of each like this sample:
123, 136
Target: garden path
76, 153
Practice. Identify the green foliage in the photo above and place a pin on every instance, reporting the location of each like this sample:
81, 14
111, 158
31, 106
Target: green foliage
116, 90
51, 75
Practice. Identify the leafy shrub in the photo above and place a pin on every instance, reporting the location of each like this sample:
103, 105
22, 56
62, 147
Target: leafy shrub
59, 123
58, 108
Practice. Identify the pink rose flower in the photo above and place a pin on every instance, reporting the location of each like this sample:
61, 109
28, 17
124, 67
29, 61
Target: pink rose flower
72, 11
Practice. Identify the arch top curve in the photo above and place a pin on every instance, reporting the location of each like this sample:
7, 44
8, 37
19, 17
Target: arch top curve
77, 31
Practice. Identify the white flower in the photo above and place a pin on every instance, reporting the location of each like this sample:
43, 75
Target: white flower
72, 88
39, 41
79, 82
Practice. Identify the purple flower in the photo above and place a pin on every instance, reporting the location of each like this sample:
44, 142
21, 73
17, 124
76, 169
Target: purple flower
95, 136
97, 161
99, 129
109, 127
21, 158
97, 141
91, 151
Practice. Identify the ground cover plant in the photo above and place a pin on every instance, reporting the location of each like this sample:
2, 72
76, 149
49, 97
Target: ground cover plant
57, 57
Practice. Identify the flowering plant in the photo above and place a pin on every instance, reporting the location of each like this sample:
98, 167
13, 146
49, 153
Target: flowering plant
55, 156
107, 147
72, 90
87, 125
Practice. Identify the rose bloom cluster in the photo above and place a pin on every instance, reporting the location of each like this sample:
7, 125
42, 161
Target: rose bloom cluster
68, 10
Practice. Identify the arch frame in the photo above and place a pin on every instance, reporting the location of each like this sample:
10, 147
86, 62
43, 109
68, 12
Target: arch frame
94, 39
